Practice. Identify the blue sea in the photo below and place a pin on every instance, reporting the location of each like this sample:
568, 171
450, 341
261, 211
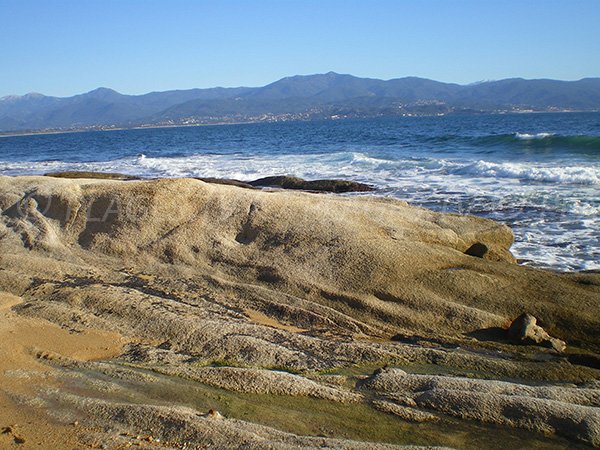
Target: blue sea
538, 173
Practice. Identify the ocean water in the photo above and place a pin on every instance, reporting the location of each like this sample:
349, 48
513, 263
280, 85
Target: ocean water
538, 173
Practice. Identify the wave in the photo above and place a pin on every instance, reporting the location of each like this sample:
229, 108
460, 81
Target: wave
529, 137
543, 140
556, 174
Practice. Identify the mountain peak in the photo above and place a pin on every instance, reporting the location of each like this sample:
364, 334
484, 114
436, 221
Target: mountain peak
102, 92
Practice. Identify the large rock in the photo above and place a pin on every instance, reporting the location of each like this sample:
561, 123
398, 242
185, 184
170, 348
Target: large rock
525, 330
287, 182
351, 265
175, 265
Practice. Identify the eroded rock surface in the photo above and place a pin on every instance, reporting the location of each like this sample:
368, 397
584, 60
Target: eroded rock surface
227, 288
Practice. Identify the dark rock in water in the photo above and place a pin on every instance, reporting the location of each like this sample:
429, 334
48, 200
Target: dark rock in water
525, 330
338, 186
92, 175
477, 249
228, 182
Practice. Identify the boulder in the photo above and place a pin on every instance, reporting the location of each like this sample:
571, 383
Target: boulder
525, 330
338, 186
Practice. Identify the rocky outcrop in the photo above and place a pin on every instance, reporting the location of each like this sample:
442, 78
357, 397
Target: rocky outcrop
197, 276
571, 412
288, 182
258, 381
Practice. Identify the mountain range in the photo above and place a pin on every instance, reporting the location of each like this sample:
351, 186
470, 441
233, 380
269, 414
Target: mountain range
306, 97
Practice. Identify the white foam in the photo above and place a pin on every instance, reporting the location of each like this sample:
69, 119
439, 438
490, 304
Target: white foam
529, 137
551, 208
575, 174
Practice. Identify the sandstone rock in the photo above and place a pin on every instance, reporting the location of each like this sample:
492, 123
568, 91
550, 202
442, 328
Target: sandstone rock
524, 330
178, 261
567, 411
271, 382
542, 415
176, 424
397, 384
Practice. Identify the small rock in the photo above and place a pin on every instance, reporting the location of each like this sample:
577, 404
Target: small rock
214, 414
525, 330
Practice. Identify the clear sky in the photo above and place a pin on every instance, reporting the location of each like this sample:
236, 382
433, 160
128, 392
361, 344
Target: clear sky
65, 47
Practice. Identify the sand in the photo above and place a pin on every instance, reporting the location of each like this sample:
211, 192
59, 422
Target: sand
24, 341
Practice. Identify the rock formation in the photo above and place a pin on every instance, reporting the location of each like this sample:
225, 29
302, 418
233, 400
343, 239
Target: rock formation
524, 330
272, 307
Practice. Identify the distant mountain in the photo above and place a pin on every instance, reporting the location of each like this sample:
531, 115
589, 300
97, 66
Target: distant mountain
309, 97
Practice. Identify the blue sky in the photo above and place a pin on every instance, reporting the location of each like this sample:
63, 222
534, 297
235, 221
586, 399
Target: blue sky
135, 46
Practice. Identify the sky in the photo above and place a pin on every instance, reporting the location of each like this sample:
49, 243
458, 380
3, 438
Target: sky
66, 47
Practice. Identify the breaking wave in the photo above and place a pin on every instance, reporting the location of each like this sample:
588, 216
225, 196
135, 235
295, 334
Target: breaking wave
525, 171
541, 140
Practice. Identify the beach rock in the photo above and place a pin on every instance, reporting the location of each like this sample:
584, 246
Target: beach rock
352, 266
257, 381
545, 416
287, 182
568, 411
397, 384
524, 330
175, 265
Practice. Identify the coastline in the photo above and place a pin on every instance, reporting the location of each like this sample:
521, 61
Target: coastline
290, 299
151, 127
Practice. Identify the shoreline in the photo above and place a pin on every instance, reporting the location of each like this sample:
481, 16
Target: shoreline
151, 127
340, 186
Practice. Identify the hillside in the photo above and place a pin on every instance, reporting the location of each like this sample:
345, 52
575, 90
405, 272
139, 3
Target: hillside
321, 96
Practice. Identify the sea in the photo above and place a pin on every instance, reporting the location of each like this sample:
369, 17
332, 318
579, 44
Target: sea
537, 173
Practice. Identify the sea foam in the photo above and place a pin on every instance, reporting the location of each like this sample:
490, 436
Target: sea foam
529, 137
